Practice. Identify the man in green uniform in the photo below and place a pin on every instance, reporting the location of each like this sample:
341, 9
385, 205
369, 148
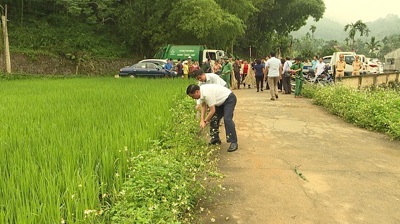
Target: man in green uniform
297, 70
226, 72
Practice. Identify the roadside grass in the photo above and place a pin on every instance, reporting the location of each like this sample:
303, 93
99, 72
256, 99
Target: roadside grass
74, 149
165, 183
375, 109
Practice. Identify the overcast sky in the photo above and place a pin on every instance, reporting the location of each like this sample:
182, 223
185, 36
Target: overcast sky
349, 11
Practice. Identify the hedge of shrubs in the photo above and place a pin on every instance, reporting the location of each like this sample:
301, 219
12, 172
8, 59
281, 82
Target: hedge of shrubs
376, 109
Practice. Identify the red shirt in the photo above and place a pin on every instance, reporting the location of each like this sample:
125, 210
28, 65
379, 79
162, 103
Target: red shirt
245, 68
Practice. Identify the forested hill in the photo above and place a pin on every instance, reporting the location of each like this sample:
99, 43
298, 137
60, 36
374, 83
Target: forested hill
139, 27
327, 29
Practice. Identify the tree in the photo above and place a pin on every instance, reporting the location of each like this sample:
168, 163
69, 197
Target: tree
328, 47
277, 19
353, 28
390, 43
312, 29
142, 27
373, 46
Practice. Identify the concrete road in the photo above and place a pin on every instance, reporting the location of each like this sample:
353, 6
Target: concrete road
297, 163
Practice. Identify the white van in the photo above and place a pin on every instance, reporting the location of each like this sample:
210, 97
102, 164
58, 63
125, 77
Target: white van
349, 57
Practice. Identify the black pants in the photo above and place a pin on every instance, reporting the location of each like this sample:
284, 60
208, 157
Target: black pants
258, 80
237, 77
225, 111
286, 85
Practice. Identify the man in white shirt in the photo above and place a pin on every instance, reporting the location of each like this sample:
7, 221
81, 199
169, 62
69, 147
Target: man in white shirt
221, 101
320, 67
208, 78
286, 76
273, 69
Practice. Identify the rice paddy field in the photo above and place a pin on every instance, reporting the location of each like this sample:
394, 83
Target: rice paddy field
65, 143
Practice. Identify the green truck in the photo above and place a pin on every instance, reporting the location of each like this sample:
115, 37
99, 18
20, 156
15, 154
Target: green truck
198, 53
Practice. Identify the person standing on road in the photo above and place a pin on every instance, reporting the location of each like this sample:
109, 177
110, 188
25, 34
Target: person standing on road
247, 75
195, 66
207, 66
340, 67
297, 70
217, 67
220, 101
236, 71
168, 67
320, 68
226, 72
179, 68
274, 70
357, 66
185, 70
259, 74
286, 76
314, 63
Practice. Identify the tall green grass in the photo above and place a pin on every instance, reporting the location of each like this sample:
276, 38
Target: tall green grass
65, 143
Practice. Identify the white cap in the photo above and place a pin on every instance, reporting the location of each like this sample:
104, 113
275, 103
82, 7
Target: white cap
189, 57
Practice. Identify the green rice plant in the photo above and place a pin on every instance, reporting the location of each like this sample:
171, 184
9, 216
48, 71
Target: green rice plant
373, 109
165, 183
67, 143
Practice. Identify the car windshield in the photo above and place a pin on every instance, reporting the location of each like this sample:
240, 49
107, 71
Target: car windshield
349, 59
327, 60
212, 55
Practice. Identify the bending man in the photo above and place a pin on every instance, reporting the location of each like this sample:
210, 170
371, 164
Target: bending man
221, 101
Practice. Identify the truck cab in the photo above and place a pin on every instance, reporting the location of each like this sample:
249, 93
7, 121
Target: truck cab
349, 57
198, 53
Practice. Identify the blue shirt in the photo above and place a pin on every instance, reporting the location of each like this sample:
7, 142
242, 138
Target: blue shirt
314, 64
258, 69
168, 66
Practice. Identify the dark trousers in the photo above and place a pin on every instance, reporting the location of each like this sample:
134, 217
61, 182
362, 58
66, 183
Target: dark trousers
258, 80
286, 85
237, 77
225, 111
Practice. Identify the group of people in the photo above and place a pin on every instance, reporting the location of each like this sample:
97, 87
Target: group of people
183, 68
341, 66
276, 73
214, 96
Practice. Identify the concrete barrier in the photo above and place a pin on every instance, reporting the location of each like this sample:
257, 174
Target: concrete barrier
362, 81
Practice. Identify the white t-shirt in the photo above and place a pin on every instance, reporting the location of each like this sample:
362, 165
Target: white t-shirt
212, 78
213, 94
287, 66
273, 65
320, 68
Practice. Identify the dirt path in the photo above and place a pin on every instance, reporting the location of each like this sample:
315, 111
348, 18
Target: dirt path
350, 175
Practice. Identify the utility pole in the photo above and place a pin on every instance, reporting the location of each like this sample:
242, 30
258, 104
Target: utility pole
6, 43
250, 53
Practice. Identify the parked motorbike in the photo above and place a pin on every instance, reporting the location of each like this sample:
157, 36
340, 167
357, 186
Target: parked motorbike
323, 79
